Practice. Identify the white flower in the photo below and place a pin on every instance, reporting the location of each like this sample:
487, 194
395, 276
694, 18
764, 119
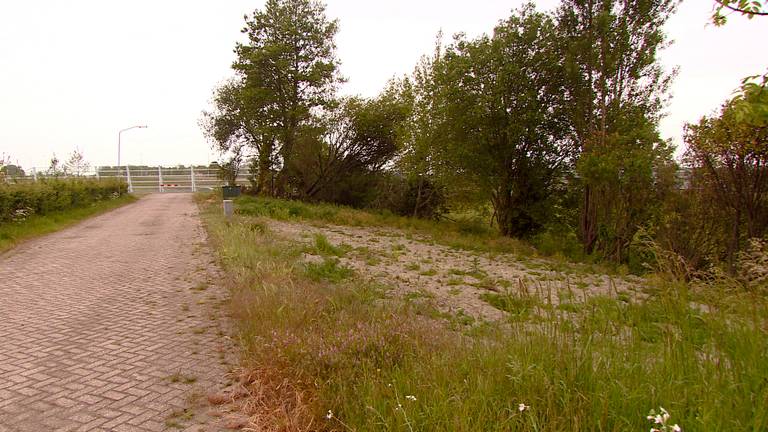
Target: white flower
329, 415
411, 397
522, 407
658, 419
676, 428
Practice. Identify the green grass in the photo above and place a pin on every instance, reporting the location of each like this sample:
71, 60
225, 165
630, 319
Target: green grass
12, 233
313, 344
330, 270
323, 247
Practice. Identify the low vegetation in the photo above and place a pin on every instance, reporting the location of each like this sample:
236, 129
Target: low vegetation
328, 348
466, 231
31, 209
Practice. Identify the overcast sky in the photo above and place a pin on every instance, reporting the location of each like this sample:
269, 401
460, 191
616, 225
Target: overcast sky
73, 73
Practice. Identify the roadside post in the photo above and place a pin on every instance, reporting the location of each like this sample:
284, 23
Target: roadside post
229, 209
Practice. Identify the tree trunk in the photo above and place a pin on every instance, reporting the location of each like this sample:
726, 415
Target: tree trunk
262, 182
418, 198
588, 222
733, 245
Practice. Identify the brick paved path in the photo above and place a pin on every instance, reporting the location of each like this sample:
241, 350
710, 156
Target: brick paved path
109, 325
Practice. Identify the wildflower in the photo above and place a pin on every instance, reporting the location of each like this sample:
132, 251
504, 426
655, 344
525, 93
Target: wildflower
522, 407
329, 415
676, 428
411, 397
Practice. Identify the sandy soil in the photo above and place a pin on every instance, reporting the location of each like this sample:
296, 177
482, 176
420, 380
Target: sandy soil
455, 280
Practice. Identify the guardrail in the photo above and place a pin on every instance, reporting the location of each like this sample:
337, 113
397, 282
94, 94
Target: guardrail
146, 179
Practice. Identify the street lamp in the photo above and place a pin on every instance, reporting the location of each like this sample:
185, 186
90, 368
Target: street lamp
119, 135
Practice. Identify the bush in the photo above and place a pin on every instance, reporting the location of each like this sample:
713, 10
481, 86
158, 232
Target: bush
18, 201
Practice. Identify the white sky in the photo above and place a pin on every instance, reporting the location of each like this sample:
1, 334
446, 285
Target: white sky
72, 73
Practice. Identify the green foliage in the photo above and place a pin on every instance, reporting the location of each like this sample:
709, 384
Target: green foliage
329, 270
618, 88
323, 247
727, 156
748, 8
19, 201
286, 70
750, 105
502, 98
340, 162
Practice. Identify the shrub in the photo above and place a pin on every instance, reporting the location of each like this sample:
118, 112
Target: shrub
21, 200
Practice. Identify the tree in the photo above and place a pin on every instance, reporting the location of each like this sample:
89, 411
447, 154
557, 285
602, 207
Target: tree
421, 138
54, 168
238, 121
504, 118
8, 169
732, 156
353, 141
748, 8
289, 71
76, 164
616, 89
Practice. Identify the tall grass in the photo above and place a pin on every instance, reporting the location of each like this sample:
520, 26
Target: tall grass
341, 353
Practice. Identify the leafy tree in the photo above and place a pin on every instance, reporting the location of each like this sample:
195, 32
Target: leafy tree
288, 70
748, 8
354, 140
731, 154
503, 117
237, 122
421, 138
751, 102
616, 89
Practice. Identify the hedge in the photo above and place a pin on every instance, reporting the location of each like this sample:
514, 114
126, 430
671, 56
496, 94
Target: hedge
18, 201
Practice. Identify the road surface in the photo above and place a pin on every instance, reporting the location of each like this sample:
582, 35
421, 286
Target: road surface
110, 324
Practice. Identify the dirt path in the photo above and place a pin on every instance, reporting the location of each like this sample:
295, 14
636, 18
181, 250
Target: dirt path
458, 282
112, 324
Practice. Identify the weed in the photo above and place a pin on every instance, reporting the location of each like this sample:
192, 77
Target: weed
514, 304
329, 270
323, 247
430, 272
412, 267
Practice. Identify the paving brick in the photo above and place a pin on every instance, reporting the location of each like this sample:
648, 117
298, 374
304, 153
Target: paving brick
93, 324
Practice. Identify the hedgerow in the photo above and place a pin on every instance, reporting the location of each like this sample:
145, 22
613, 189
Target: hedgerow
18, 201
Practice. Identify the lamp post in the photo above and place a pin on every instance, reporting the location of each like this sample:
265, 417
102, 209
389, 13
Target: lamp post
119, 135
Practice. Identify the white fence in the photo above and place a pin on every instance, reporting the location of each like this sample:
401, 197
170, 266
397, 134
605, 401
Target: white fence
145, 179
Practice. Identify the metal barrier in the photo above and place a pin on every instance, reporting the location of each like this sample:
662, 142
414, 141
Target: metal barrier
145, 179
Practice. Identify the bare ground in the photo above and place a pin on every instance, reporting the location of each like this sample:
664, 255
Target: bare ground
456, 280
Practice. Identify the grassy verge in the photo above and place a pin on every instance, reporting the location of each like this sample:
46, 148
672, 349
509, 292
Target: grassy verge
11, 233
326, 349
